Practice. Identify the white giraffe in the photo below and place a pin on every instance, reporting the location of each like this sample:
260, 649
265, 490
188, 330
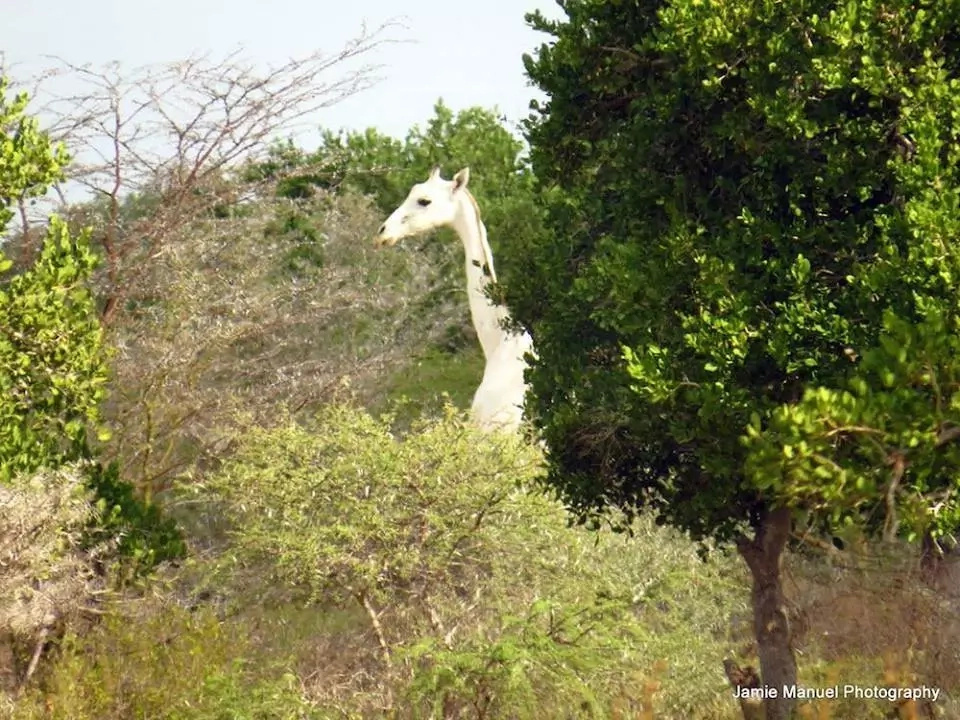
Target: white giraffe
435, 203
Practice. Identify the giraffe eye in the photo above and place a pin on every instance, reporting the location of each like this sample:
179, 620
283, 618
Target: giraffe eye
423, 202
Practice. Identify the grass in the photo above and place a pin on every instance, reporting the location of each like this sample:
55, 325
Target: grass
430, 380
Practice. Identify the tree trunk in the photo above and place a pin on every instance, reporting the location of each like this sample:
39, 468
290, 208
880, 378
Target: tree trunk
34, 661
771, 626
109, 308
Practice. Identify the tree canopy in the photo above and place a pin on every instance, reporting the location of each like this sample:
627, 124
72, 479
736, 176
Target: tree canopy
749, 255
385, 168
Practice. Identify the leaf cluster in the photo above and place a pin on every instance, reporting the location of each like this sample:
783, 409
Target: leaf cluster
52, 361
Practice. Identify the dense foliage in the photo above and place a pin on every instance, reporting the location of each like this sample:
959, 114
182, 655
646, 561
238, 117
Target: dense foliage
29, 163
745, 303
349, 512
478, 592
141, 532
52, 358
487, 602
755, 234
52, 365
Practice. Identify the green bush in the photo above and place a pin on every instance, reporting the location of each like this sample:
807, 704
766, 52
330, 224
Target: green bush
348, 510
144, 536
165, 662
476, 591
53, 360
52, 364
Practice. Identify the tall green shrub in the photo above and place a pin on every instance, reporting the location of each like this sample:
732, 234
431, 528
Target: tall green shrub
52, 364
53, 358
480, 596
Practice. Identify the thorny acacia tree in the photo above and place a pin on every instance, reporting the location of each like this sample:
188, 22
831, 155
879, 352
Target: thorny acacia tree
189, 288
169, 134
249, 314
747, 307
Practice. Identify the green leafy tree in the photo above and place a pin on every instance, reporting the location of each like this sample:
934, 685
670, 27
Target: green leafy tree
746, 304
52, 357
385, 167
53, 360
391, 515
367, 161
28, 162
52, 366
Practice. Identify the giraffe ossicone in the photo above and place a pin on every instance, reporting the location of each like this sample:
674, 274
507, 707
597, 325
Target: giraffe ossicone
435, 203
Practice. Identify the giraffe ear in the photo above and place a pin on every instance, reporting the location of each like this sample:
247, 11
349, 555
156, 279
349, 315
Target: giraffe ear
435, 173
461, 179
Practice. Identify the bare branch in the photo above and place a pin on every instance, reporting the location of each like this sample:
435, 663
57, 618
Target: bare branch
171, 131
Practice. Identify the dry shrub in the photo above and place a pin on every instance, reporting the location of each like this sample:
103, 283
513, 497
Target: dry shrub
161, 135
276, 305
47, 576
154, 658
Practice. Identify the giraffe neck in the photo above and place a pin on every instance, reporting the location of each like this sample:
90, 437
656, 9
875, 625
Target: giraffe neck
485, 315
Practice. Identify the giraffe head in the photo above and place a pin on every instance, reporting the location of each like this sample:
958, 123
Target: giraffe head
429, 205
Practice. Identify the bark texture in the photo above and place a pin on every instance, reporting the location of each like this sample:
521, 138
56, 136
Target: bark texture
764, 556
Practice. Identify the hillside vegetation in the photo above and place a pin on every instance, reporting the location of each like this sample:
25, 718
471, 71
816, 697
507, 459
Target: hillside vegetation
237, 479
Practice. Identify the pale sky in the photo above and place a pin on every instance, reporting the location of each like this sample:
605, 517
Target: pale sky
468, 53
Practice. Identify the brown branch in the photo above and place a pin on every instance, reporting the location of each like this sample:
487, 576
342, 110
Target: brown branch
169, 131
381, 639
890, 523
947, 435
811, 540
745, 679
34, 661
853, 429
27, 250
